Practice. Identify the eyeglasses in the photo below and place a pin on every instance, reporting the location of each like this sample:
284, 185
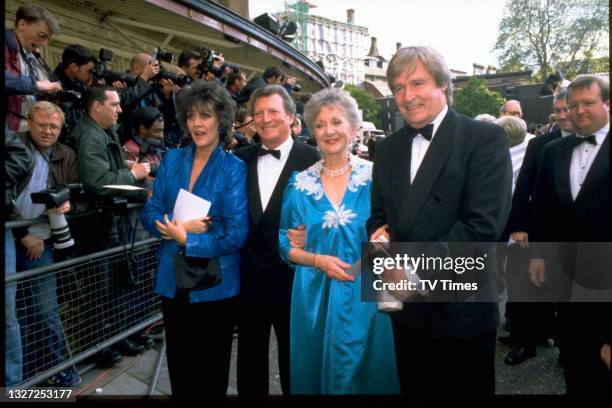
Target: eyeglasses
43, 126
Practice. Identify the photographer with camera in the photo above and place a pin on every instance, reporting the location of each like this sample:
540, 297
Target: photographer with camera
25, 73
146, 143
54, 164
101, 161
74, 73
204, 64
152, 89
236, 81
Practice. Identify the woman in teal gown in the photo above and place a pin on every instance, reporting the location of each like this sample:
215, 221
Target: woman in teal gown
339, 344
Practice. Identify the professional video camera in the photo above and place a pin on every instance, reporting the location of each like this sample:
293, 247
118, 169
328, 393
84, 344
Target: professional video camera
101, 71
63, 244
160, 55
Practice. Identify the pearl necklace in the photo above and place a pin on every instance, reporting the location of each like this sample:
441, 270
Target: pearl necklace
336, 173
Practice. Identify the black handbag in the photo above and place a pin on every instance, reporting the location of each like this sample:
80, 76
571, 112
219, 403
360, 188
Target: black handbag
193, 274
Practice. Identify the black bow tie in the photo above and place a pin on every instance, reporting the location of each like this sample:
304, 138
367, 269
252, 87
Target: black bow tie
426, 132
275, 153
578, 140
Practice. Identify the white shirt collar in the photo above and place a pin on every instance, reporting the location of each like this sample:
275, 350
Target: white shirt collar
565, 133
285, 148
600, 135
438, 120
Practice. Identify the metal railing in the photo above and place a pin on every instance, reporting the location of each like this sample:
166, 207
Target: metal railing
70, 310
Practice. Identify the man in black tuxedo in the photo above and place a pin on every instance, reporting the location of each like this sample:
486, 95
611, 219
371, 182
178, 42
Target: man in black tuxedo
572, 205
531, 322
266, 281
448, 178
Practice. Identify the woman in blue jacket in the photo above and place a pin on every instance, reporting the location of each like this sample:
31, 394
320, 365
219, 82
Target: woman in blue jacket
199, 323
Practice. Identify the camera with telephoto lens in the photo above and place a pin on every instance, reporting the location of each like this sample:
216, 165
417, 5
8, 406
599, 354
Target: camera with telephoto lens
101, 71
160, 55
63, 244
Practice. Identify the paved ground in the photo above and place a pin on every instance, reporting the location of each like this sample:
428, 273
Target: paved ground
540, 375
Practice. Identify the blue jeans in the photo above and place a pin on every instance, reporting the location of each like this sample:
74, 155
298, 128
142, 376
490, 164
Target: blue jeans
13, 354
46, 339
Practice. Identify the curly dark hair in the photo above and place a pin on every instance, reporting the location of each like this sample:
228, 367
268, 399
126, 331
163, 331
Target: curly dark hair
209, 94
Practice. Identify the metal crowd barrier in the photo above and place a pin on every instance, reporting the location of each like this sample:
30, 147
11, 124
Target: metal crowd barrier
101, 298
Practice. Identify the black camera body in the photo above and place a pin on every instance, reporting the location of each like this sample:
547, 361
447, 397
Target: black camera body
159, 54
63, 244
52, 197
208, 58
101, 71
116, 204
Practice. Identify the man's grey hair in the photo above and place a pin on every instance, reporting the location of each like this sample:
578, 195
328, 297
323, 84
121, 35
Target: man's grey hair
332, 97
406, 58
587, 80
32, 13
516, 129
504, 107
270, 90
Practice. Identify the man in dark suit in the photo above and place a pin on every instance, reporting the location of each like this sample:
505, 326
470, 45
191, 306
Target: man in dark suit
531, 322
447, 178
266, 281
572, 206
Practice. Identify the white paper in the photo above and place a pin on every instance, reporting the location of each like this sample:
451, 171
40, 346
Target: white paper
125, 187
189, 206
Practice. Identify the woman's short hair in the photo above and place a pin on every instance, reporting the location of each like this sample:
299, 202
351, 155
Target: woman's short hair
485, 117
332, 97
406, 58
516, 129
209, 94
48, 107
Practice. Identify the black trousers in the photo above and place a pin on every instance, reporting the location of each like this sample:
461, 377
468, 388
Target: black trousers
443, 367
199, 346
531, 321
583, 329
254, 324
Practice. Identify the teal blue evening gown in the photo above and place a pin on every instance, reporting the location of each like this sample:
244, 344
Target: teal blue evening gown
339, 344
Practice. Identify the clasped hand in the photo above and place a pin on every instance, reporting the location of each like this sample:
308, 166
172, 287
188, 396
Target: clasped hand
177, 230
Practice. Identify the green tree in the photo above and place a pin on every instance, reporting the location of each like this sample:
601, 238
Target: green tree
366, 102
474, 98
545, 34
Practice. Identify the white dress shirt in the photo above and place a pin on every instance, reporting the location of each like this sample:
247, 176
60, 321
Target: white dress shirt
583, 156
420, 145
269, 169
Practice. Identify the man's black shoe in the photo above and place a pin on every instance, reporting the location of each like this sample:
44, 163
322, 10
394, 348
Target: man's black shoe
519, 354
509, 340
143, 339
128, 348
107, 358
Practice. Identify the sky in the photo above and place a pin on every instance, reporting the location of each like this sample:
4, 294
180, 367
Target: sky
463, 31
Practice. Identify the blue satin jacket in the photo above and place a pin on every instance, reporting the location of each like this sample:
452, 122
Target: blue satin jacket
223, 183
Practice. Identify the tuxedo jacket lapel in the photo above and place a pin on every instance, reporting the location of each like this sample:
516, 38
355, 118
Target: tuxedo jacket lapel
429, 171
562, 173
255, 208
599, 169
401, 180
